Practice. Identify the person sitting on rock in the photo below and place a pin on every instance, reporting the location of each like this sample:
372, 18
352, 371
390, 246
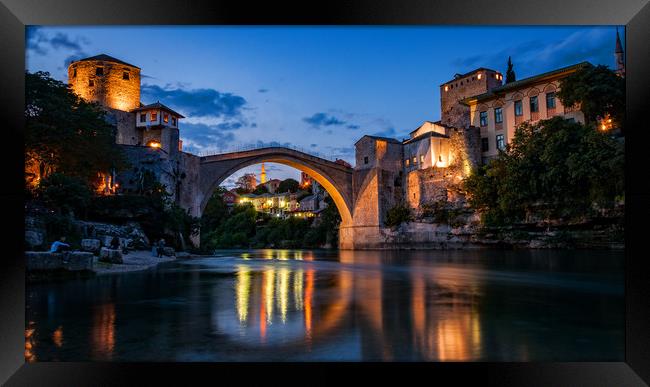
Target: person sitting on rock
161, 247
115, 243
59, 246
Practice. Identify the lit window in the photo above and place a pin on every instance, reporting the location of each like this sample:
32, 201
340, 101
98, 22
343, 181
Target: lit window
421, 158
479, 76
550, 100
125, 75
143, 117
153, 144
534, 105
498, 115
407, 161
518, 108
91, 82
485, 145
415, 160
483, 118
154, 116
166, 117
501, 143
99, 71
446, 87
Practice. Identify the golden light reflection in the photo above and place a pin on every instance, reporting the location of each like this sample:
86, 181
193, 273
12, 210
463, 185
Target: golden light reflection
284, 293
269, 291
309, 290
30, 342
297, 289
243, 293
103, 332
57, 337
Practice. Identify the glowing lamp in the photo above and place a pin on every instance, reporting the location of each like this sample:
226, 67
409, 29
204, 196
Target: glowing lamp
446, 87
479, 76
154, 144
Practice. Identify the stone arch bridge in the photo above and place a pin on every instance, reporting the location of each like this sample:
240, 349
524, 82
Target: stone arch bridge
334, 177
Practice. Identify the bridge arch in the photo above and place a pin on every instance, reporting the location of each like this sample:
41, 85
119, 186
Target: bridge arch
334, 177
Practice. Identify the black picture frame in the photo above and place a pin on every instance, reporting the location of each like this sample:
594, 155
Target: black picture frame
634, 14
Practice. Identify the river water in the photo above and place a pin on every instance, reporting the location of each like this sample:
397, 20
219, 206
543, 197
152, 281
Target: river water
301, 305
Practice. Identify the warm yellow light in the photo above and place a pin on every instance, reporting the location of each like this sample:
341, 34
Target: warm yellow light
154, 144
446, 88
603, 127
479, 76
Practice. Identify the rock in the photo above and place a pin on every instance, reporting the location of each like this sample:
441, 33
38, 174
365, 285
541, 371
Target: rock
78, 260
92, 245
71, 261
33, 238
110, 255
169, 251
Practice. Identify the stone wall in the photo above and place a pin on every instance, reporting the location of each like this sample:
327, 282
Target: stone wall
110, 89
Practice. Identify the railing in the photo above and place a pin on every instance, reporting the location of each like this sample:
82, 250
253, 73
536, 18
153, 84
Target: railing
250, 147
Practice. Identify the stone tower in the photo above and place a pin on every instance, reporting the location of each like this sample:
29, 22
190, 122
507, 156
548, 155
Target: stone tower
109, 81
462, 86
263, 175
620, 56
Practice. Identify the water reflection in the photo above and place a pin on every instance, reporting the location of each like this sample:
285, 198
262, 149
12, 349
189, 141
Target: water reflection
301, 305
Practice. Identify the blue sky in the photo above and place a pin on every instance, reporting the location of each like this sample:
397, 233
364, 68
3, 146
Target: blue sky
317, 88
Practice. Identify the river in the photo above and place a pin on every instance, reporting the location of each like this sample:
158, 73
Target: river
302, 305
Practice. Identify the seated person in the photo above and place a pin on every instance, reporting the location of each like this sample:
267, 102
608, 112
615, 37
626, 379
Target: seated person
59, 246
115, 243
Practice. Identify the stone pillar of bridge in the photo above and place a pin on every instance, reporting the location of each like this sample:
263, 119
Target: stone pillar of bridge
377, 184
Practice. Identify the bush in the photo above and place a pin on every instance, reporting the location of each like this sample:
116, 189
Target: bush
64, 194
398, 215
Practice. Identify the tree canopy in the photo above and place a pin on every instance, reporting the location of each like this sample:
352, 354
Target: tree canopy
65, 133
555, 168
289, 185
598, 91
510, 73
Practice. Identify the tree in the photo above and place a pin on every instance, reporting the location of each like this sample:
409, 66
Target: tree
260, 189
598, 91
288, 185
554, 168
245, 183
397, 215
66, 134
64, 194
510, 73
216, 211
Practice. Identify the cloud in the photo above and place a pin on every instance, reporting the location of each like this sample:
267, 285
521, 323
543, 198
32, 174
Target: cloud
353, 127
263, 90
197, 102
318, 120
199, 137
39, 42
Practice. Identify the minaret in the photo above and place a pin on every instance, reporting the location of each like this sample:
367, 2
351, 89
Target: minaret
620, 59
263, 175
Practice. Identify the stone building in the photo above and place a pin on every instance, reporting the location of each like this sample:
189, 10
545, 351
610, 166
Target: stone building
149, 134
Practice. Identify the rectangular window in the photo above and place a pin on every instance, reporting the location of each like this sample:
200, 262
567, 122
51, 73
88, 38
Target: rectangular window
415, 160
74, 73
143, 117
483, 118
519, 111
174, 121
99, 71
365, 160
534, 105
498, 115
550, 100
407, 162
154, 116
421, 158
166, 118
91, 82
485, 145
501, 143
125, 75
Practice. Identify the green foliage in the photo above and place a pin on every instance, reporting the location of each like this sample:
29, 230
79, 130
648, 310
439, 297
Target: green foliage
510, 73
260, 189
598, 90
397, 215
555, 169
288, 185
64, 194
65, 133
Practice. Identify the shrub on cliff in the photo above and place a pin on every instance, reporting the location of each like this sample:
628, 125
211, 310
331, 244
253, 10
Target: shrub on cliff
397, 215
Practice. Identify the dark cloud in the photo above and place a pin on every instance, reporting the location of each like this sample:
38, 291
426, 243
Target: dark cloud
263, 90
319, 120
61, 40
313, 145
41, 43
197, 137
196, 102
388, 132
353, 127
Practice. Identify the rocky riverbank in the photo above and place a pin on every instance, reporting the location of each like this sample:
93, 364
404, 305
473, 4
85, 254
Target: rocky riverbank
133, 261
